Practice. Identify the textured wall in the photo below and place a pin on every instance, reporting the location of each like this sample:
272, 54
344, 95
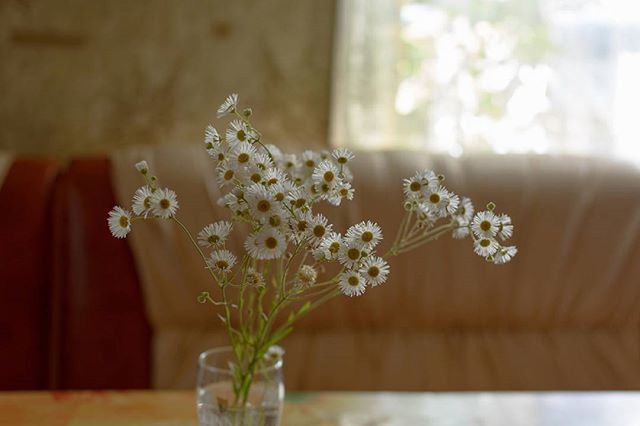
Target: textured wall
81, 76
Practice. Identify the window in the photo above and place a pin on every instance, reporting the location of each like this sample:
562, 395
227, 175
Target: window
542, 76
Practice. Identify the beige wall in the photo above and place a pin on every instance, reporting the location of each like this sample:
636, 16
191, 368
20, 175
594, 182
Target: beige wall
80, 76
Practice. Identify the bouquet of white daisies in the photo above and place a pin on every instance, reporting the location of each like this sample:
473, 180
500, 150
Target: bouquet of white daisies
281, 274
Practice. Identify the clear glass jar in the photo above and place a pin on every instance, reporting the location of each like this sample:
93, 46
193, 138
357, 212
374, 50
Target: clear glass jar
217, 403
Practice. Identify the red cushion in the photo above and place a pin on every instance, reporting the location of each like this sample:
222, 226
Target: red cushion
101, 336
24, 279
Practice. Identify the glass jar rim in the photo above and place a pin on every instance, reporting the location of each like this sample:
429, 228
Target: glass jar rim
223, 349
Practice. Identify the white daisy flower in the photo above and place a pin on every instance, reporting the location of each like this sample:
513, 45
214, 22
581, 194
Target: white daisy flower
366, 234
326, 173
215, 234
306, 276
226, 175
274, 176
350, 253
440, 201
298, 198
465, 210
485, 247
505, 228
342, 155
310, 159
261, 202
221, 261
485, 224
254, 278
119, 222
142, 201
413, 186
351, 283
268, 243
504, 255
375, 270
228, 106
211, 137
242, 154
262, 161
237, 132
274, 354
281, 190
164, 203
274, 151
318, 227
299, 226
345, 190
290, 162
329, 247
142, 167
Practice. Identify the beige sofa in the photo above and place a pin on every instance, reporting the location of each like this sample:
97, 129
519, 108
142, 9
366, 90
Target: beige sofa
563, 315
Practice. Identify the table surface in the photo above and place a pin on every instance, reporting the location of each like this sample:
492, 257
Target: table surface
163, 408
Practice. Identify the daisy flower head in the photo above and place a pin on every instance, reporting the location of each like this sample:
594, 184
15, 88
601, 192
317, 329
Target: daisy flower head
226, 175
504, 255
413, 186
505, 228
350, 253
290, 162
318, 227
351, 283
268, 243
298, 198
310, 159
274, 176
261, 202
142, 201
342, 156
164, 203
326, 173
142, 167
228, 106
329, 247
274, 354
485, 224
465, 210
280, 190
238, 132
262, 161
119, 221
440, 201
485, 246
306, 276
242, 154
375, 270
221, 261
215, 234
366, 235
346, 191
254, 278
211, 137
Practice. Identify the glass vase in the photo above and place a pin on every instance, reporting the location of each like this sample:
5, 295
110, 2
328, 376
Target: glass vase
217, 403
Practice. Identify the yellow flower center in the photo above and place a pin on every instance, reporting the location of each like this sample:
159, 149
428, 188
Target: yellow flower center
310, 163
334, 247
302, 225
373, 271
300, 202
272, 181
165, 204
147, 202
342, 160
318, 231
329, 176
221, 157
485, 242
213, 239
434, 198
124, 221
243, 158
367, 236
222, 265
271, 243
241, 135
255, 178
264, 206
274, 221
415, 186
353, 281
485, 225
353, 254
228, 175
